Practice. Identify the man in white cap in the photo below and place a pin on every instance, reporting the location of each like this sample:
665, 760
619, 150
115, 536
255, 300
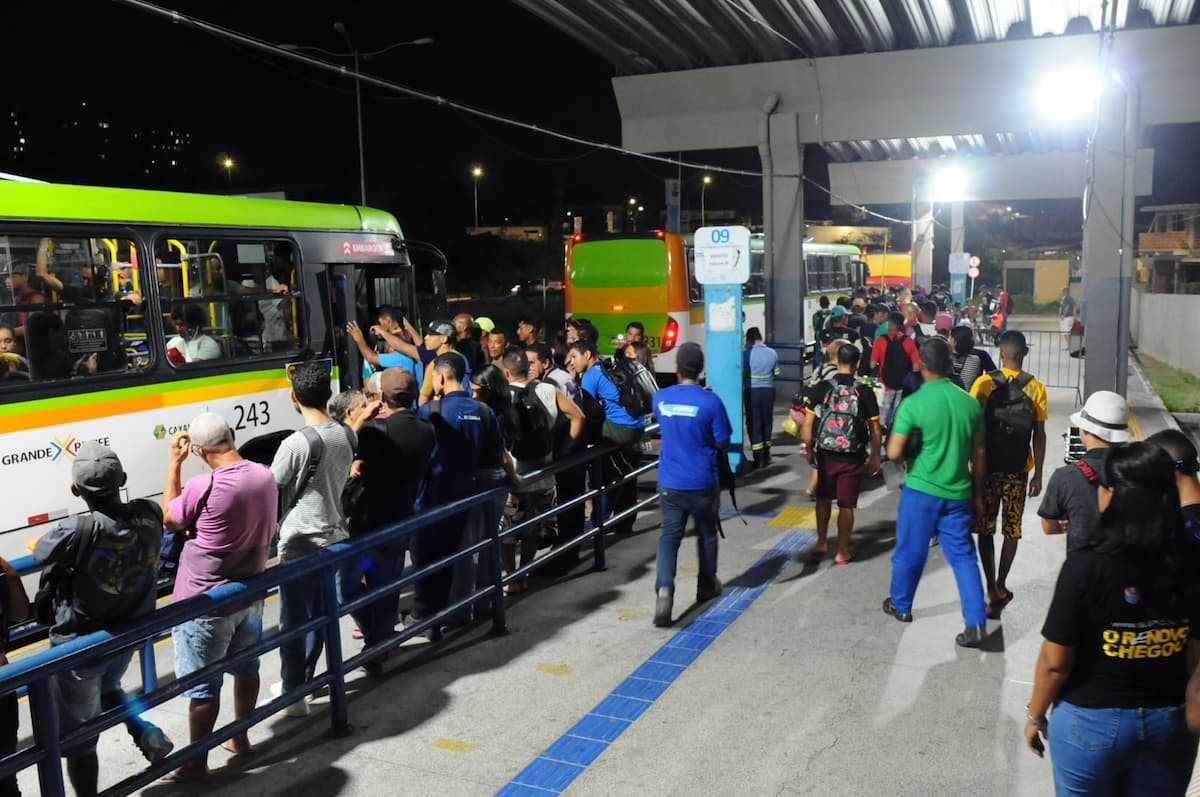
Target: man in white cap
1069, 504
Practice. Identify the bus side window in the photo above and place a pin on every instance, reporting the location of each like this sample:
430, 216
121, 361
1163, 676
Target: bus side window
245, 289
62, 315
695, 290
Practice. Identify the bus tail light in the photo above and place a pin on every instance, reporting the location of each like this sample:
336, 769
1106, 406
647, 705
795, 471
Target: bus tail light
577, 238
659, 234
670, 335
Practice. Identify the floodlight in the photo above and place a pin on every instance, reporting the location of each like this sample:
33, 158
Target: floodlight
949, 184
1068, 96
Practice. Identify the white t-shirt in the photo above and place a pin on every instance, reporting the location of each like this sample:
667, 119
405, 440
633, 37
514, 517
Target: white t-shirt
201, 347
547, 394
275, 323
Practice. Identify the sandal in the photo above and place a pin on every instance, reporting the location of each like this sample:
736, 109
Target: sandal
995, 608
837, 560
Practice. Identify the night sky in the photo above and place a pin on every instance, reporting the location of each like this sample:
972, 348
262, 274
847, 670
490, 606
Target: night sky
290, 127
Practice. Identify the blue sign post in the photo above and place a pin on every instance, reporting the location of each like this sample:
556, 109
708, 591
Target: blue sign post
722, 266
959, 262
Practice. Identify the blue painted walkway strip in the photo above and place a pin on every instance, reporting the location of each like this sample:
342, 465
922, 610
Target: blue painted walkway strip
565, 760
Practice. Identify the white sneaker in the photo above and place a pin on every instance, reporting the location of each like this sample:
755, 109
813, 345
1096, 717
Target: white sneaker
276, 689
298, 709
155, 745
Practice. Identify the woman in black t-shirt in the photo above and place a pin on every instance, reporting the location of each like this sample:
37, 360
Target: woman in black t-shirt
1121, 636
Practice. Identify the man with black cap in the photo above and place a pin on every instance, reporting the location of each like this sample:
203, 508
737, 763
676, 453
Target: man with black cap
695, 431
438, 340
1069, 504
394, 452
120, 543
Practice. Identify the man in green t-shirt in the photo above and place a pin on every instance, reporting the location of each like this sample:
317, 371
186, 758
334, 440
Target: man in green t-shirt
942, 490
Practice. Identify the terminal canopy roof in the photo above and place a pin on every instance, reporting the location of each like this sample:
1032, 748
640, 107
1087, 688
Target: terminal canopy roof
648, 36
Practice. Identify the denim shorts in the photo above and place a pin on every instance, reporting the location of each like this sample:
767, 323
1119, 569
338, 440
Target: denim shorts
77, 692
205, 640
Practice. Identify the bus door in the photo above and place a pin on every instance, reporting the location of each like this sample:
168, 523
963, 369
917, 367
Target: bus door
342, 308
356, 292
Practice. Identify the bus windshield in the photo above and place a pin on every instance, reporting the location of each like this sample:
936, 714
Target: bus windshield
635, 262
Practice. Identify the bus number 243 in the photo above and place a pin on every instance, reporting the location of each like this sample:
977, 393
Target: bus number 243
256, 413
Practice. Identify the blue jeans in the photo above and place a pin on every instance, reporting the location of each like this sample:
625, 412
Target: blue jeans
301, 602
1119, 751
676, 506
205, 640
917, 518
385, 563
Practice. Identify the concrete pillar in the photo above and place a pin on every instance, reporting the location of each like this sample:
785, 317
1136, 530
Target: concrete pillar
922, 237
784, 228
958, 230
1107, 275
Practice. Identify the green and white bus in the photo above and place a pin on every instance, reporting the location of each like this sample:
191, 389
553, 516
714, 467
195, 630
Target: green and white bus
125, 313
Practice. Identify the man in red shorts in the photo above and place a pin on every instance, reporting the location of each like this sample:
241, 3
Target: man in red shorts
844, 434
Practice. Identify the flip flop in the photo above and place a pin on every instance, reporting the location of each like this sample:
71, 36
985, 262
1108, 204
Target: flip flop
182, 776
227, 746
838, 561
818, 555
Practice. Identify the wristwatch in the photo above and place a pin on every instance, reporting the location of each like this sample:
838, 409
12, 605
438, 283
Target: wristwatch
1038, 721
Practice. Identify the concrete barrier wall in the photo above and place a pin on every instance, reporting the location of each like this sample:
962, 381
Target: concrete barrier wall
1167, 327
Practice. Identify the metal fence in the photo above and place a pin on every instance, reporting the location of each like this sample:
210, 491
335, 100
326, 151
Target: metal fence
1053, 359
317, 571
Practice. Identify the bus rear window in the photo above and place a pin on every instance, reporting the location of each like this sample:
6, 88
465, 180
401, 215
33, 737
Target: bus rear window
619, 263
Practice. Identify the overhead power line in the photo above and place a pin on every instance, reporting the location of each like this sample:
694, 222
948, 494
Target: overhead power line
462, 107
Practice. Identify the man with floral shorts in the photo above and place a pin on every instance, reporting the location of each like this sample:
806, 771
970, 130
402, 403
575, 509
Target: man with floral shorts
230, 517
1014, 413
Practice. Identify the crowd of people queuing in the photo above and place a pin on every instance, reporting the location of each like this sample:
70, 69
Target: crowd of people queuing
462, 405
1116, 688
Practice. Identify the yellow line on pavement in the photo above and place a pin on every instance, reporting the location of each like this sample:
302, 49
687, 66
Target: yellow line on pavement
1135, 428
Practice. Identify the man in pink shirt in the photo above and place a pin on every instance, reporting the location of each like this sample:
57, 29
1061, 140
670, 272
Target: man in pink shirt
229, 516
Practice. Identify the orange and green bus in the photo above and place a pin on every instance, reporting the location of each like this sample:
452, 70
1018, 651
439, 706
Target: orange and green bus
133, 311
649, 277
889, 269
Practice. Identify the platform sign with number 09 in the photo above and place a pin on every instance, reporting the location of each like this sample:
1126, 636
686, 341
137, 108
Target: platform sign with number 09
722, 255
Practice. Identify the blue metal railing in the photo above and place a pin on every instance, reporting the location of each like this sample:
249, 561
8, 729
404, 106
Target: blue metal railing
806, 350
36, 670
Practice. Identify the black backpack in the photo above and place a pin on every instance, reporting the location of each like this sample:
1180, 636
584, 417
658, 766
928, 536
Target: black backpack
635, 385
1009, 419
532, 429
896, 364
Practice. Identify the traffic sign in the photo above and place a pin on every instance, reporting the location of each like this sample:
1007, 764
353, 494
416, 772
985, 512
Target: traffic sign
975, 261
973, 271
722, 255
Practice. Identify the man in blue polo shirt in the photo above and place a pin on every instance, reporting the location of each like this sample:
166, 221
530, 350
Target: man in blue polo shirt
468, 440
695, 431
600, 399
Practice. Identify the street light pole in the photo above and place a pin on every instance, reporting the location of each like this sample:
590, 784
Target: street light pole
704, 182
357, 55
340, 27
476, 173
